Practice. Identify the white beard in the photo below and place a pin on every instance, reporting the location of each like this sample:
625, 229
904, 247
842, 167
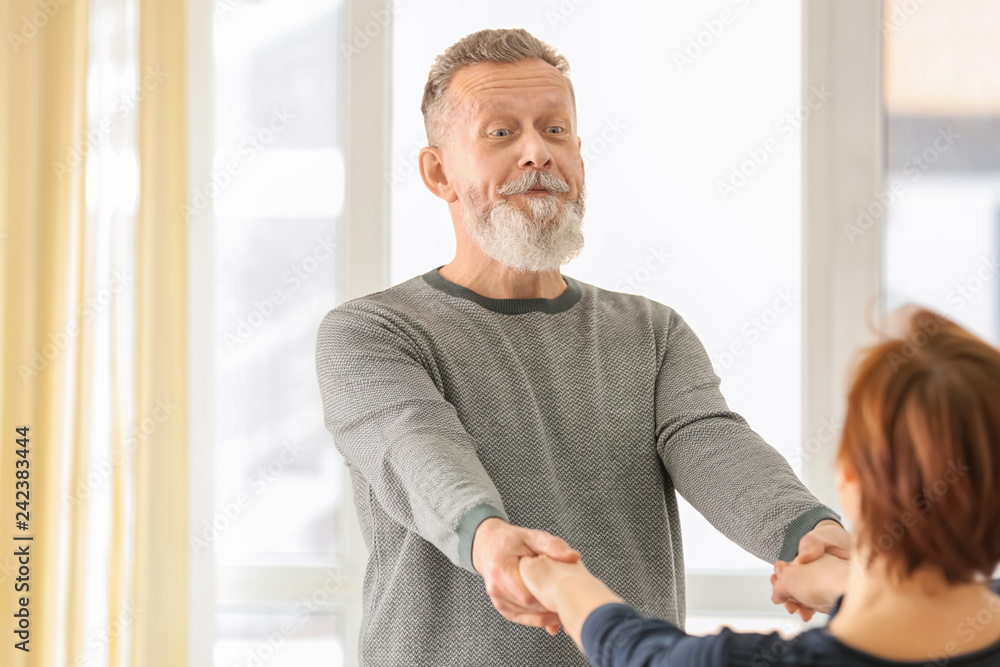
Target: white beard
546, 238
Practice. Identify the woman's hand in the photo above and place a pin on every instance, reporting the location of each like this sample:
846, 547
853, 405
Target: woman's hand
544, 578
811, 586
566, 589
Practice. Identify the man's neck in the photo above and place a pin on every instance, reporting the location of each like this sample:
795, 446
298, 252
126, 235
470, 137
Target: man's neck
489, 278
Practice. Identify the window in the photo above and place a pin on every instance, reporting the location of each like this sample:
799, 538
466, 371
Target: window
276, 191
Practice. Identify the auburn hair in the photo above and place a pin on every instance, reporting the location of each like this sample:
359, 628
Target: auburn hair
922, 434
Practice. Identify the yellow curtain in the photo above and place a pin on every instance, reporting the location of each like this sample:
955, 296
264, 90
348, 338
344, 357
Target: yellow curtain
44, 86
161, 565
130, 552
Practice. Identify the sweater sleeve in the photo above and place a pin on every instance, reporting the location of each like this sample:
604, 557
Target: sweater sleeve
394, 427
616, 635
742, 485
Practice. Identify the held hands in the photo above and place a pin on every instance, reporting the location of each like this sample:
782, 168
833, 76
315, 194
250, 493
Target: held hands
528, 571
567, 589
809, 587
497, 549
817, 576
544, 577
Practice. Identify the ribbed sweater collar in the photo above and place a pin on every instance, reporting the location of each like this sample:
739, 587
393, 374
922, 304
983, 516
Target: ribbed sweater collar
564, 301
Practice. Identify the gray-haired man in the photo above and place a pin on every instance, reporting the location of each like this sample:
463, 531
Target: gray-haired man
493, 404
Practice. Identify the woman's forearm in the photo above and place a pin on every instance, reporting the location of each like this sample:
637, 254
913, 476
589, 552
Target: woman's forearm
577, 598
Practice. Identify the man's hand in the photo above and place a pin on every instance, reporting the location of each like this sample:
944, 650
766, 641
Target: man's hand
826, 537
497, 547
809, 587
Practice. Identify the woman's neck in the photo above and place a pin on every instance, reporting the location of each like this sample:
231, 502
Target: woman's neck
921, 618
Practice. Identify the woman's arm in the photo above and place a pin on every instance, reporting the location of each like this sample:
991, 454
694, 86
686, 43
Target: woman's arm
568, 589
619, 636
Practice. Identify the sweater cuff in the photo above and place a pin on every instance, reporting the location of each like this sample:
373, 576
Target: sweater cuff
466, 530
800, 526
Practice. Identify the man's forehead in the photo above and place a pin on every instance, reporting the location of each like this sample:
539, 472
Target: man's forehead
505, 85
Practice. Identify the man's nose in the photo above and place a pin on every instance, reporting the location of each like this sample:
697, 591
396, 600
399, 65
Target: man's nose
535, 153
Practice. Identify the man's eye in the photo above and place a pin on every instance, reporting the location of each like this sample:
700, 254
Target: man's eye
558, 129
496, 132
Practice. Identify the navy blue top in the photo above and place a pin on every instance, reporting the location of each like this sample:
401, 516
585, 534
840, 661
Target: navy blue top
616, 635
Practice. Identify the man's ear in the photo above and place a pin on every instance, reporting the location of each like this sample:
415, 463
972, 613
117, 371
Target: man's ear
431, 163
579, 148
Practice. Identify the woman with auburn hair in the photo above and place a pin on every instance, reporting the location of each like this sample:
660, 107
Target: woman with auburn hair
918, 475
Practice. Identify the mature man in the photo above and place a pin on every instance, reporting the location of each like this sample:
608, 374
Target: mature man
493, 408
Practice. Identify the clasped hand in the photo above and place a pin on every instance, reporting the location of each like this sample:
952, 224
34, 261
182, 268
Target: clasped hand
497, 550
818, 575
523, 570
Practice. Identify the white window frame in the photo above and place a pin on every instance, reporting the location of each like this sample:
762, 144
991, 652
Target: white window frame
362, 268
842, 169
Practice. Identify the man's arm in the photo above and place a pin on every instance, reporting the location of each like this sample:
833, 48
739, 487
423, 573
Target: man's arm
742, 485
395, 428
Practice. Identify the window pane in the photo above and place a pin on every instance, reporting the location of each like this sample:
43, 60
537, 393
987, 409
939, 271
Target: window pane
279, 639
276, 463
277, 194
942, 184
690, 122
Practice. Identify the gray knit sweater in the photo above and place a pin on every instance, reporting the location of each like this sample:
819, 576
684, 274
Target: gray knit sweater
579, 415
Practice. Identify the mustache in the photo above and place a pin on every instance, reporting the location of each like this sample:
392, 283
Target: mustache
532, 179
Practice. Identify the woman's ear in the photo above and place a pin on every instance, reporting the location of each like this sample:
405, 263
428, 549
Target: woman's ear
848, 490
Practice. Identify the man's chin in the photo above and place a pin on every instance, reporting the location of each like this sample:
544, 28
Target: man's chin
546, 222
546, 219
530, 261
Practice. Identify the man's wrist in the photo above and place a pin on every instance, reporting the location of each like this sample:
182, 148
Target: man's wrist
800, 526
467, 527
481, 538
